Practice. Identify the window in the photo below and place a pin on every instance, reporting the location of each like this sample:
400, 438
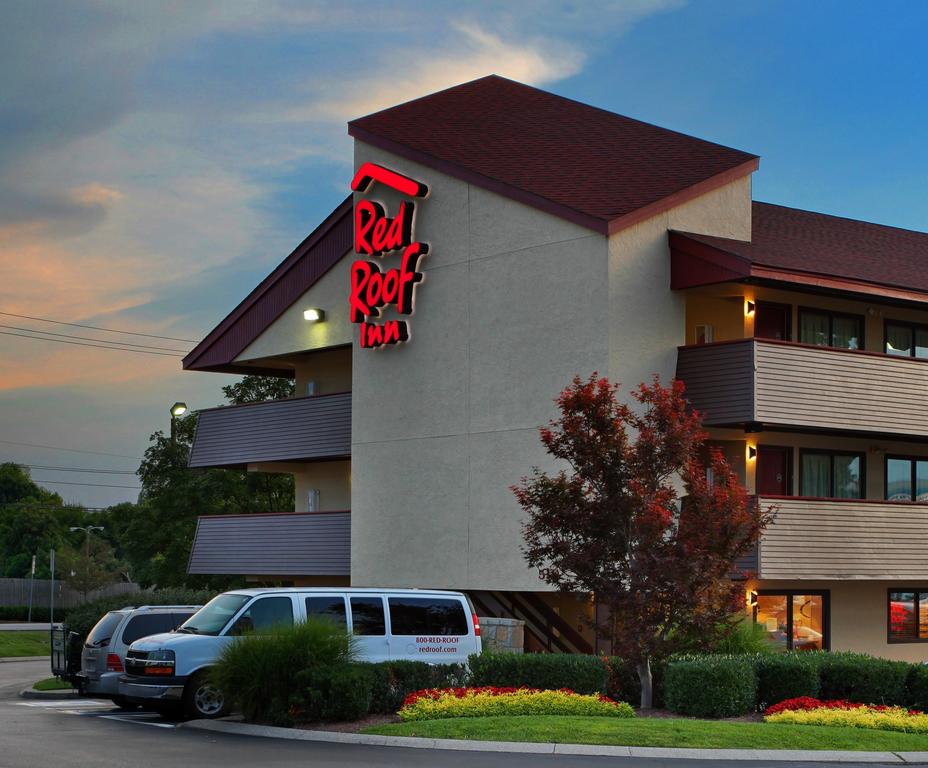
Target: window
367, 616
831, 475
331, 608
831, 329
427, 616
263, 614
213, 616
907, 616
147, 624
906, 340
795, 621
906, 479
102, 631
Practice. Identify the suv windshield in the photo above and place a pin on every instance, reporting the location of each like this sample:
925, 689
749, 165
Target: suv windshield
213, 616
103, 630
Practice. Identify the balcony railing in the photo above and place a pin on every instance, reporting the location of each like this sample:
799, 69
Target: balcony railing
844, 539
300, 544
299, 429
798, 385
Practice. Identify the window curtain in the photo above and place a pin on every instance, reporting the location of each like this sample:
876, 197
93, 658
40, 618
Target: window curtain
813, 329
847, 477
845, 333
816, 475
898, 340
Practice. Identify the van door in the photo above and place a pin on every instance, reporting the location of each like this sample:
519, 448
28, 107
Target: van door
369, 627
434, 629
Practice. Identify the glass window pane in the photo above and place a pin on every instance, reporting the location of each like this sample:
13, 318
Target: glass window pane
808, 623
816, 475
264, 614
923, 615
898, 340
845, 332
921, 342
367, 616
331, 608
771, 614
145, 625
901, 615
899, 480
813, 329
847, 477
427, 616
921, 481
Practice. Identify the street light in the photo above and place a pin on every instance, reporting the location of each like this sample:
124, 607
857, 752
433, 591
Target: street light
86, 529
178, 409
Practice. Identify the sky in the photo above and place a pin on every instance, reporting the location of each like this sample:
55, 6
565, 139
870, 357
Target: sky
158, 159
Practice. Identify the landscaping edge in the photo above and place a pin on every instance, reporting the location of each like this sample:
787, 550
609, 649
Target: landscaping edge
464, 745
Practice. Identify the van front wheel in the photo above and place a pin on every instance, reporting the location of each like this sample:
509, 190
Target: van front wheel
202, 699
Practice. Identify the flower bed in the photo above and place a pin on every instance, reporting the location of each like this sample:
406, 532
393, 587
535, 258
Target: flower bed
436, 704
806, 710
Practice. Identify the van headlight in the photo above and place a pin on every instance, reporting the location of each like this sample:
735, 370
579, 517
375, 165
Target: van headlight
160, 663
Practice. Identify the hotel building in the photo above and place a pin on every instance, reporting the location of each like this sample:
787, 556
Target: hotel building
503, 239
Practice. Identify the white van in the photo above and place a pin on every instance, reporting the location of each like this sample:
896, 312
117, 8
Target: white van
167, 672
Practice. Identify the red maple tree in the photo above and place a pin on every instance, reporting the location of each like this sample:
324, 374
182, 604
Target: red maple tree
638, 521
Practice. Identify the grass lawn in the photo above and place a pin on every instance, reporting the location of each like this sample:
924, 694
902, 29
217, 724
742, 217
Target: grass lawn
656, 732
24, 644
51, 684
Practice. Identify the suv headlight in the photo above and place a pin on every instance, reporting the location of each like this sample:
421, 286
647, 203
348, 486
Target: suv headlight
160, 663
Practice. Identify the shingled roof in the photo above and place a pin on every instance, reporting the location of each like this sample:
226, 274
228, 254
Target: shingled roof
802, 246
595, 168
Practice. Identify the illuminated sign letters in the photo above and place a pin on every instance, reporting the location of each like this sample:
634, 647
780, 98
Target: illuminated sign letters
377, 234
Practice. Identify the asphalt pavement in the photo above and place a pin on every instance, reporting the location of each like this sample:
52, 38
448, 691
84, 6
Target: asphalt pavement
85, 732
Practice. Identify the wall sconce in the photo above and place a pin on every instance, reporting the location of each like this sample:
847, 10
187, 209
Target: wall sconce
752, 599
752, 453
749, 307
314, 315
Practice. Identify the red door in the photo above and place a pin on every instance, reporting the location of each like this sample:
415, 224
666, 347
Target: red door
771, 321
773, 471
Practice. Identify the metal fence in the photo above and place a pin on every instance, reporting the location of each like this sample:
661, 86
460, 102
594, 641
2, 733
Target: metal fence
16, 592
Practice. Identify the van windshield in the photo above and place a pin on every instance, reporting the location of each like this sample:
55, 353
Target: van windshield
213, 616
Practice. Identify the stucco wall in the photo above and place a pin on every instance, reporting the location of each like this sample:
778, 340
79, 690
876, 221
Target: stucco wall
514, 304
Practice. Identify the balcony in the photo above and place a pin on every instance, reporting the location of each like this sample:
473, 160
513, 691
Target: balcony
844, 539
783, 384
299, 429
300, 544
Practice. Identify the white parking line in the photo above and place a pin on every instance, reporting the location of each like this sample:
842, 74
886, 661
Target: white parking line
99, 709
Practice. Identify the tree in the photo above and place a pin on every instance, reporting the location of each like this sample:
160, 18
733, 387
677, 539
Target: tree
88, 565
616, 525
155, 535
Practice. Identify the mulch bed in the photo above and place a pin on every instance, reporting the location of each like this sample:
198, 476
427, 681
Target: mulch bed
355, 727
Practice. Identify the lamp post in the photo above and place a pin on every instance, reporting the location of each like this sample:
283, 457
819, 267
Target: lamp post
178, 409
86, 529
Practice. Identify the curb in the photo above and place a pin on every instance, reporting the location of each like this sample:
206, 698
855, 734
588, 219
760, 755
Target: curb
461, 745
12, 659
29, 693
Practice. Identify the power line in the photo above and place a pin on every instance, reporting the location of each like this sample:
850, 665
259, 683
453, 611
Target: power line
91, 338
93, 485
84, 344
97, 328
71, 450
82, 469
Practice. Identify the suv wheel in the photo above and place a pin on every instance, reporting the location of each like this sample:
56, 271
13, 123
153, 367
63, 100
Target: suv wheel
202, 699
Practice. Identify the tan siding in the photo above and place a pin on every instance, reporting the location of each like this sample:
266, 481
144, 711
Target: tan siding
833, 539
830, 389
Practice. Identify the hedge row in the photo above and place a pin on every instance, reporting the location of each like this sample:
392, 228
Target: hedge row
727, 685
21, 613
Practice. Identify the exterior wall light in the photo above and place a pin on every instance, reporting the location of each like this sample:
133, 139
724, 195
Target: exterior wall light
749, 307
314, 315
752, 453
752, 599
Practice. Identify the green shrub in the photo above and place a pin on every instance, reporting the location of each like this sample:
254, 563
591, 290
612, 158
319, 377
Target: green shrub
710, 686
82, 618
861, 678
266, 676
391, 681
917, 687
782, 676
623, 683
547, 671
39, 613
746, 637
341, 692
